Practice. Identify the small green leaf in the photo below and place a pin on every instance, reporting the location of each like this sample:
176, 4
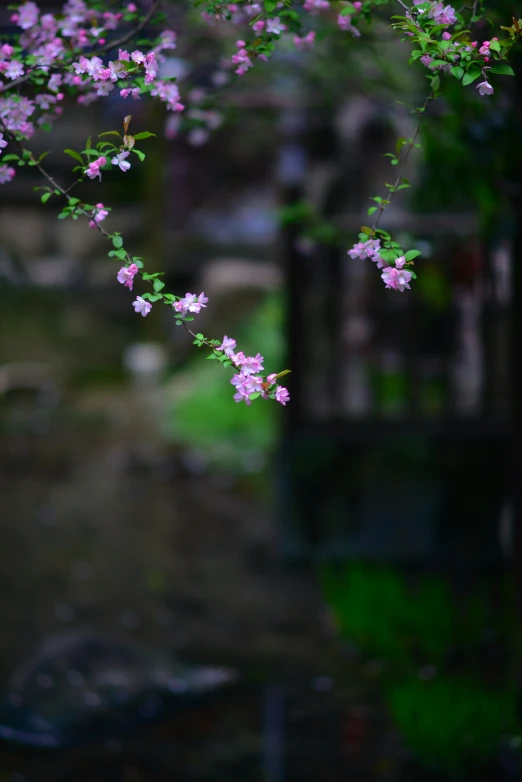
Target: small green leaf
457, 71
139, 153
117, 242
411, 254
372, 210
211, 357
109, 133
74, 155
503, 69
269, 6
158, 285
88, 143
45, 197
470, 77
144, 134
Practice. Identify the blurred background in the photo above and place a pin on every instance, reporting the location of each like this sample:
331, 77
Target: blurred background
196, 590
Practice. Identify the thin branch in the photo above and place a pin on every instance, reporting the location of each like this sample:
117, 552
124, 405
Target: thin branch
409, 147
102, 50
65, 193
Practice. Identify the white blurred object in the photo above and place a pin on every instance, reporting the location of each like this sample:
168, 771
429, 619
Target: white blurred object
146, 362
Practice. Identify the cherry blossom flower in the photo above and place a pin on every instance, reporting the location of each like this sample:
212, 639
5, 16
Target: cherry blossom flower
100, 214
485, 88
94, 168
126, 276
369, 249
282, 395
6, 174
120, 161
251, 365
306, 42
3, 143
14, 70
228, 345
397, 279
191, 303
345, 23
27, 15
315, 6
275, 26
141, 306
400, 262
442, 14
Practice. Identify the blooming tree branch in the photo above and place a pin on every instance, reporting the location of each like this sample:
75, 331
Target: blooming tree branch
54, 55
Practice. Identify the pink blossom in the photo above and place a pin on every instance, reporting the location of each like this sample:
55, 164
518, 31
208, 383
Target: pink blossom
54, 82
306, 42
345, 23
100, 213
446, 36
123, 55
138, 57
275, 26
397, 279
400, 262
426, 60
6, 174
228, 345
119, 160
484, 49
135, 92
315, 6
132, 8
3, 143
27, 15
282, 395
442, 14
271, 379
141, 306
258, 26
127, 274
369, 249
485, 88
191, 303
94, 168
246, 385
251, 365
14, 70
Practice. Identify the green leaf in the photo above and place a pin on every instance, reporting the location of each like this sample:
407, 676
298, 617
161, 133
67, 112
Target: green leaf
211, 357
457, 71
470, 77
503, 69
74, 155
269, 6
109, 133
45, 197
348, 10
88, 143
494, 45
139, 153
117, 242
372, 210
411, 254
144, 134
158, 285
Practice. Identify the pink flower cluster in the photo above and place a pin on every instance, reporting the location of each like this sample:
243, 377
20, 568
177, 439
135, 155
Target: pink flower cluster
316, 6
93, 170
190, 303
345, 23
241, 58
127, 274
306, 42
100, 213
169, 94
369, 249
397, 279
442, 14
248, 381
